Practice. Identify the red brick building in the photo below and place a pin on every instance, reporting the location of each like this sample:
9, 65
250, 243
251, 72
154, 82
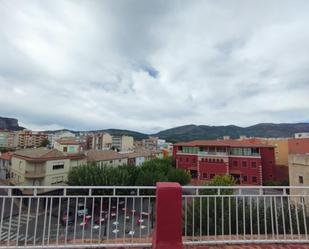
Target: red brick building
250, 163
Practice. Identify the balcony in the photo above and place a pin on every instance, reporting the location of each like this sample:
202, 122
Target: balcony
35, 174
125, 216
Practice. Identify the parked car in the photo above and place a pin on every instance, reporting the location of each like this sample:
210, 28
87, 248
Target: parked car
68, 218
81, 210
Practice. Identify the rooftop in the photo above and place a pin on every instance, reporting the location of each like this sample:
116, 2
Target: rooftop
227, 143
6, 155
44, 154
104, 155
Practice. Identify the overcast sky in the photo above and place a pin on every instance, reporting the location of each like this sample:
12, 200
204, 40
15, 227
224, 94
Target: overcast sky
151, 65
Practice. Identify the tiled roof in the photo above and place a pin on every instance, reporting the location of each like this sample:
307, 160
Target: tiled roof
104, 155
228, 143
67, 142
43, 154
141, 153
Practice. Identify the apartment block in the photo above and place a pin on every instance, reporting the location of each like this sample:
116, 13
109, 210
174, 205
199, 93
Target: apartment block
99, 141
27, 138
42, 167
8, 139
123, 143
249, 163
151, 143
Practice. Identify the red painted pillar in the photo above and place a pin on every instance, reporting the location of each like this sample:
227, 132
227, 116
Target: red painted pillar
168, 227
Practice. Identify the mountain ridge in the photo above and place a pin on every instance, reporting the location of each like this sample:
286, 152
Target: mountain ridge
192, 131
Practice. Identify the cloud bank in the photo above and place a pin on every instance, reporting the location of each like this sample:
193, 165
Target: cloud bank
150, 65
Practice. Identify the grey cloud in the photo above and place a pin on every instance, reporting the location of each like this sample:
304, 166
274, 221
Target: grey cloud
147, 65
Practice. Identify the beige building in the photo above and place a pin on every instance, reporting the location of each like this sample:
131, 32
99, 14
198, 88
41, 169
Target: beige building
109, 158
67, 145
123, 143
299, 175
27, 138
99, 141
42, 167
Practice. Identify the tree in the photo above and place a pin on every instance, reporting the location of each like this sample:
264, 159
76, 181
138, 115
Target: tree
45, 142
227, 213
146, 175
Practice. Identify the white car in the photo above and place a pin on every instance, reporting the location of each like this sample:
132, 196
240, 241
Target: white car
81, 210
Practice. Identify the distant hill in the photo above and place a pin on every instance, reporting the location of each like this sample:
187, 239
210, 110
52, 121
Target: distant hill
9, 124
192, 132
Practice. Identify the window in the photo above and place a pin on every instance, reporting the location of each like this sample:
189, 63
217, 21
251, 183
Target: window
187, 159
253, 164
110, 161
193, 160
119, 160
180, 159
221, 160
205, 175
235, 163
65, 149
211, 176
254, 179
270, 162
301, 179
58, 166
218, 160
245, 178
244, 164
206, 159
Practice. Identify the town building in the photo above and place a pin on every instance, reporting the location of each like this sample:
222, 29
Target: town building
8, 139
106, 157
28, 139
53, 137
5, 164
151, 143
299, 173
298, 145
99, 141
67, 145
123, 143
301, 135
249, 163
43, 167
139, 157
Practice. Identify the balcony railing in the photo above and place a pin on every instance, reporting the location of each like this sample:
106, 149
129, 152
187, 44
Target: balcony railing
209, 153
76, 217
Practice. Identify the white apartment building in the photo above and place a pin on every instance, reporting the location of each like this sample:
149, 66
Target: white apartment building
42, 167
302, 135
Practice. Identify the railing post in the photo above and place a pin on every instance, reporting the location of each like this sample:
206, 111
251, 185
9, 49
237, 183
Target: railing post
168, 227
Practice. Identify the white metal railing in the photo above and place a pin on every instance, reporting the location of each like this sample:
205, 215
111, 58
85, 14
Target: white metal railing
83, 217
76, 217
255, 214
